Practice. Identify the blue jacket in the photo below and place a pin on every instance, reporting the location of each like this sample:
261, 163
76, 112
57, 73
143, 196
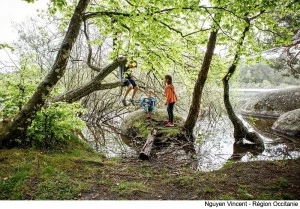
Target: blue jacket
151, 101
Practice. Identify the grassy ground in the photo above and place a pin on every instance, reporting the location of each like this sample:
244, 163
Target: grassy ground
77, 172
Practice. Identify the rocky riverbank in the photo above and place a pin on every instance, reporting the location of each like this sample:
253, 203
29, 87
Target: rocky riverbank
283, 104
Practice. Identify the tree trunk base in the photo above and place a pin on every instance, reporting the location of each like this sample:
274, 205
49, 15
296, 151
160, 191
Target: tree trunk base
256, 142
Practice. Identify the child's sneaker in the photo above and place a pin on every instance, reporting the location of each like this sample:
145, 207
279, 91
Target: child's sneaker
166, 121
132, 101
123, 102
147, 116
151, 116
169, 124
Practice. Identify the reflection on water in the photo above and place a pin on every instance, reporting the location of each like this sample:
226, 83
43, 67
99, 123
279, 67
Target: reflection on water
107, 140
217, 144
214, 145
215, 141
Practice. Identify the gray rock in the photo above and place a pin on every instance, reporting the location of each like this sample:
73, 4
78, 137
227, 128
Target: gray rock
273, 103
288, 123
133, 119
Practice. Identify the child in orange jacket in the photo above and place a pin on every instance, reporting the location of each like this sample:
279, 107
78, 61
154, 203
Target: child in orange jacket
171, 98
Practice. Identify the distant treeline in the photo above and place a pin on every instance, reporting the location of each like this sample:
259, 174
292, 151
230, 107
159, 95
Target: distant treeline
263, 75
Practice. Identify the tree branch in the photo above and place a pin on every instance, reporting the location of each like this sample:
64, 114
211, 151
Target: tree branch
128, 2
94, 85
89, 49
90, 15
291, 65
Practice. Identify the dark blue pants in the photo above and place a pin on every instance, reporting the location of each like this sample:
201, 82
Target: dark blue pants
170, 109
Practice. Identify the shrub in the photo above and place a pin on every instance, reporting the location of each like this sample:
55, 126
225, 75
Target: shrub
54, 124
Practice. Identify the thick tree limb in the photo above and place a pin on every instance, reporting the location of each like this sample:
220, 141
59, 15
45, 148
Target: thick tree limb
94, 85
105, 13
195, 7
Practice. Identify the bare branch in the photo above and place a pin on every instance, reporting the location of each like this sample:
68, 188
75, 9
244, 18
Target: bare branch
192, 33
291, 46
178, 31
169, 27
90, 49
128, 2
90, 15
291, 61
257, 15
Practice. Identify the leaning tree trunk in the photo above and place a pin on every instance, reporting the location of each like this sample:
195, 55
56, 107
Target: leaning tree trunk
18, 124
202, 76
94, 85
240, 131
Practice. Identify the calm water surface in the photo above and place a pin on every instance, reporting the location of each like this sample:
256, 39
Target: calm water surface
214, 146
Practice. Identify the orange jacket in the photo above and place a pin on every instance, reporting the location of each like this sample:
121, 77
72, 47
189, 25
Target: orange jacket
170, 94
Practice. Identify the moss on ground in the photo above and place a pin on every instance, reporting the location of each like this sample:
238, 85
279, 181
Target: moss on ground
136, 127
79, 173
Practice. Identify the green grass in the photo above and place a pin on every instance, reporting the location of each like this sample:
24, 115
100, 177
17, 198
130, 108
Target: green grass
228, 163
208, 189
227, 197
11, 187
127, 188
145, 126
183, 181
46, 174
269, 196
170, 132
244, 195
146, 171
59, 186
276, 196
283, 182
288, 196
79, 172
142, 126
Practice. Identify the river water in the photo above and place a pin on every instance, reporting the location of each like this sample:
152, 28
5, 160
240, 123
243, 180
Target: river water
214, 145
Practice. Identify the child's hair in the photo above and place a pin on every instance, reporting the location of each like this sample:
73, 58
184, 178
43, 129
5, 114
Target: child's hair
169, 79
132, 64
151, 91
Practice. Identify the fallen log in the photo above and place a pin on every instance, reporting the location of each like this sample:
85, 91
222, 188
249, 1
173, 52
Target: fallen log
146, 150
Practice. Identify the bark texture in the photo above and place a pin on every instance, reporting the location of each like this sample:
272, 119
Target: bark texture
240, 131
146, 150
202, 76
17, 125
94, 85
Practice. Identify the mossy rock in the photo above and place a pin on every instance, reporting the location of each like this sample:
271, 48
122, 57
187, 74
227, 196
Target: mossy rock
273, 103
137, 126
288, 123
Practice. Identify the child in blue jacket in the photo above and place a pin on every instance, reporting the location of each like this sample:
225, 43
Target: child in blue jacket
149, 104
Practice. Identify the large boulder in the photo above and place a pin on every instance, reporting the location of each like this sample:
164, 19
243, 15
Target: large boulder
272, 104
288, 123
169, 143
135, 128
137, 120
